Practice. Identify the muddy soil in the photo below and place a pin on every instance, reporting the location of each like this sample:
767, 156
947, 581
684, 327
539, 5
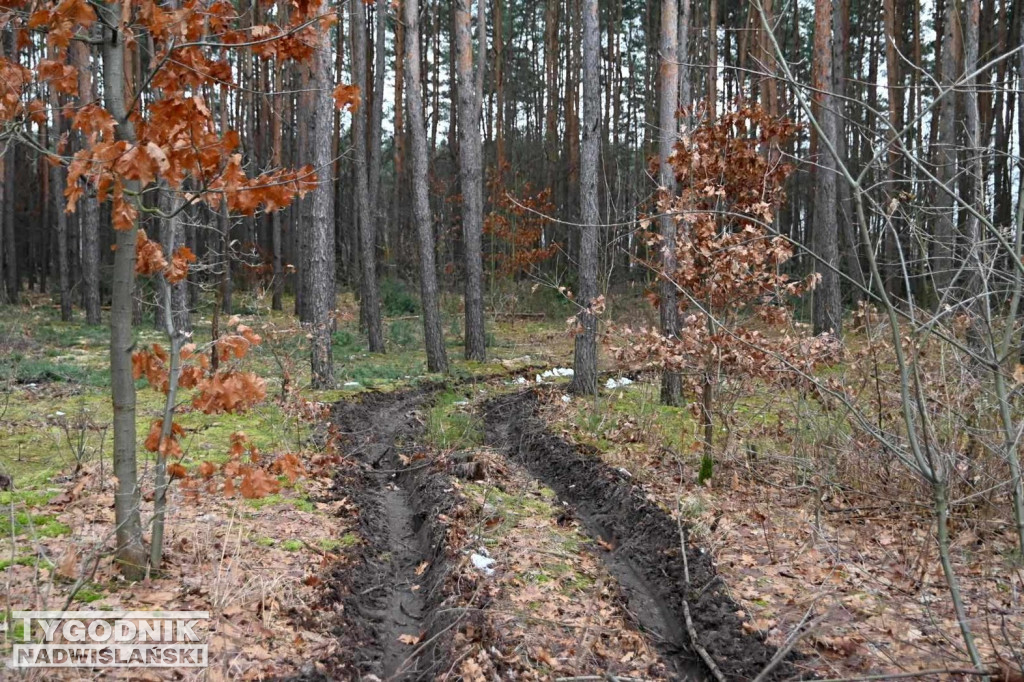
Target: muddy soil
387, 591
641, 548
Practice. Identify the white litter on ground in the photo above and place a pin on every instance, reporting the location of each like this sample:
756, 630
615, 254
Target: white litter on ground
482, 563
554, 374
352, 384
617, 383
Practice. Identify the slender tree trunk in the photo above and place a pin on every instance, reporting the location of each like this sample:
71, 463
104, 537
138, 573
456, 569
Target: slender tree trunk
12, 282
367, 226
942, 265
304, 103
433, 334
171, 237
276, 218
471, 180
683, 56
551, 68
712, 99
88, 207
825, 236
975, 169
398, 210
377, 114
668, 82
572, 119
58, 176
894, 95
130, 553
319, 282
585, 359
499, 86
840, 38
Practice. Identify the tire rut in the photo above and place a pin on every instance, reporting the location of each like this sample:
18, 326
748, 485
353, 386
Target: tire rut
644, 554
387, 591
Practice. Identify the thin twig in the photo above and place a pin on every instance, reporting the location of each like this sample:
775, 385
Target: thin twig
690, 630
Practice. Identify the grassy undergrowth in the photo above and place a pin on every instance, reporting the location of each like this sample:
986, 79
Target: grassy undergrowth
56, 412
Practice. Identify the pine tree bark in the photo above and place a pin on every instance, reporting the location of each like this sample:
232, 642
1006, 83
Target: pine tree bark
975, 169
852, 248
471, 181
12, 282
88, 207
433, 333
683, 56
585, 358
276, 302
551, 68
894, 170
377, 114
499, 86
58, 176
370, 299
827, 312
668, 83
130, 553
319, 282
944, 237
712, 98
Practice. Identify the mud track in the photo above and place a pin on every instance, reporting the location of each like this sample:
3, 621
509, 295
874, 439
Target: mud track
645, 554
389, 588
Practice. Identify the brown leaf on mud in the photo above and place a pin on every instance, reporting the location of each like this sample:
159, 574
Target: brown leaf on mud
409, 639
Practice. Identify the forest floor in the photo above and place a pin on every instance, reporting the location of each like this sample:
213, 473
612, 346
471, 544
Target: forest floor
479, 526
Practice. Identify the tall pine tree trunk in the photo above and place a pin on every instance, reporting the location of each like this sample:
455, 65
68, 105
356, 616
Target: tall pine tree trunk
433, 334
370, 299
975, 169
318, 286
851, 243
668, 84
88, 207
585, 359
824, 229
683, 56
377, 115
712, 98
942, 264
471, 180
58, 176
894, 96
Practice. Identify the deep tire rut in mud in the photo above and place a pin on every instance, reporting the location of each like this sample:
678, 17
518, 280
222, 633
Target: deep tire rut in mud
644, 554
391, 583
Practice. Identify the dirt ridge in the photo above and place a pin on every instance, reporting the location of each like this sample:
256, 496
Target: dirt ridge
645, 545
